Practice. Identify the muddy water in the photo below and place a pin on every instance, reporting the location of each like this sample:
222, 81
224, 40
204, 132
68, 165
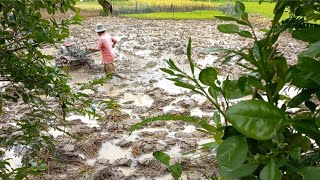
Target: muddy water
143, 47
91, 122
138, 99
13, 159
112, 152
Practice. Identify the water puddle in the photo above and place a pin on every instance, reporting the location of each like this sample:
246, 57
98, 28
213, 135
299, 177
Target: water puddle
14, 160
169, 108
207, 61
174, 151
91, 162
169, 87
199, 113
112, 152
146, 156
91, 122
143, 53
189, 129
88, 91
126, 170
55, 133
82, 156
138, 99
131, 115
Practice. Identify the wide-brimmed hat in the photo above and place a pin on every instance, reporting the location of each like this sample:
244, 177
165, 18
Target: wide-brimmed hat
100, 28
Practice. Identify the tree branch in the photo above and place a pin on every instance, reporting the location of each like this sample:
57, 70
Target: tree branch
20, 48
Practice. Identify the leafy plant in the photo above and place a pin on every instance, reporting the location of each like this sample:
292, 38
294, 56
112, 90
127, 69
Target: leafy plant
175, 169
270, 136
28, 80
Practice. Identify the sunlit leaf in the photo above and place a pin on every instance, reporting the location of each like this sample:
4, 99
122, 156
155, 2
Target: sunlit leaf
270, 172
232, 153
310, 173
255, 118
208, 76
239, 172
228, 28
312, 51
239, 8
245, 34
162, 157
232, 90
176, 171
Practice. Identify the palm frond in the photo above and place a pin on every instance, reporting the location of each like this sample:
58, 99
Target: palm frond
296, 23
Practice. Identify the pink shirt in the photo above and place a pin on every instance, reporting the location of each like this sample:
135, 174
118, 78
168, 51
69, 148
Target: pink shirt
105, 45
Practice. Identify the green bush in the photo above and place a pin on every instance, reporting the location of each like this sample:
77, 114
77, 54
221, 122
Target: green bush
258, 138
28, 80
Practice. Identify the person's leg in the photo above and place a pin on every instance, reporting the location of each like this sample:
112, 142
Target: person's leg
107, 70
111, 70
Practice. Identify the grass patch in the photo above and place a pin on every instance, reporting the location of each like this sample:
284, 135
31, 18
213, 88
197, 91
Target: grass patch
88, 6
264, 9
177, 15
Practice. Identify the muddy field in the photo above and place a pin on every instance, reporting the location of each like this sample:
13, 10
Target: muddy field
106, 150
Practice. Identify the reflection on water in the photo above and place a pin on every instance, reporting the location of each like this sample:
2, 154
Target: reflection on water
138, 99
15, 161
91, 122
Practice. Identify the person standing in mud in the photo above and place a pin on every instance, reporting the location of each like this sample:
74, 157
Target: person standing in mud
106, 43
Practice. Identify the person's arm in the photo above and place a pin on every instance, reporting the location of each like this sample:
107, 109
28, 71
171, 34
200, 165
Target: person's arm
98, 48
114, 42
92, 50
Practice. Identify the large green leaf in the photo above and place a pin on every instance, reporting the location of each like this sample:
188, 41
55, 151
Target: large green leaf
245, 16
213, 92
253, 81
232, 90
270, 172
298, 140
255, 118
232, 153
307, 127
242, 171
228, 28
230, 131
310, 173
312, 51
208, 76
239, 8
311, 34
176, 171
245, 34
295, 153
162, 157
306, 73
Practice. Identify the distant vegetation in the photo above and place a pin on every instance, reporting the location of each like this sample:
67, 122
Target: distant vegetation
178, 9
178, 15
